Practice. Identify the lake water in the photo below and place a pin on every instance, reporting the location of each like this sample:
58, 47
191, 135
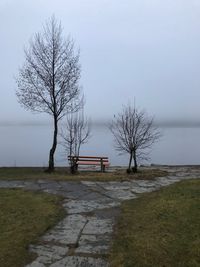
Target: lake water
29, 146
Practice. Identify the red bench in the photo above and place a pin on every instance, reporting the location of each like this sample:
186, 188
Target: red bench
103, 162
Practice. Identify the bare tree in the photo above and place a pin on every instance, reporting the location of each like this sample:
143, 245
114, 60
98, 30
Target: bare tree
49, 79
134, 133
75, 133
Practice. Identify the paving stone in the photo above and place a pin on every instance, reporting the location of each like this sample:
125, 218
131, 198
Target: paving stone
49, 254
92, 249
146, 183
42, 181
73, 186
91, 195
5, 184
117, 186
120, 194
95, 186
96, 226
54, 192
35, 264
89, 183
11, 184
111, 213
139, 189
76, 194
88, 238
80, 206
50, 185
164, 181
77, 261
32, 186
92, 244
173, 178
97, 239
67, 231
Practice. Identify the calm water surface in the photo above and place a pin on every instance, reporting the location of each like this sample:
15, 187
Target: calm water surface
29, 146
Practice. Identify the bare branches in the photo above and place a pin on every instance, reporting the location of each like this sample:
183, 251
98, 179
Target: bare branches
49, 80
75, 133
134, 133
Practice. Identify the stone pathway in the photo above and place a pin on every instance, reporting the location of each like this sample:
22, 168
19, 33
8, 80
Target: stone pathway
82, 239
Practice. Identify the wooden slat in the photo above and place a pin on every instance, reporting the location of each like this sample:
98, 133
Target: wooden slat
95, 160
88, 157
92, 163
92, 160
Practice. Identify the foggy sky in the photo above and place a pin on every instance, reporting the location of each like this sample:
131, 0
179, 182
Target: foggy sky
143, 49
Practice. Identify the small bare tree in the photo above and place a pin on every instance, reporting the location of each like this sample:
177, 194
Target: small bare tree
49, 79
75, 133
134, 133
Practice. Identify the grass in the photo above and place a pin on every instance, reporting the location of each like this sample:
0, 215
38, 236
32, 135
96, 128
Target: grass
35, 173
24, 216
160, 229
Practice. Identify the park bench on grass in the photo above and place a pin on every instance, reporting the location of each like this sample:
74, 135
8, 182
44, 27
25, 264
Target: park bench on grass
89, 160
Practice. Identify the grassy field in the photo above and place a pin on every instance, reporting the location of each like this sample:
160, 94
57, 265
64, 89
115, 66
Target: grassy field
24, 216
160, 229
34, 173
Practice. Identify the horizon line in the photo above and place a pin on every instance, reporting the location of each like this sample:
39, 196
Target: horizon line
102, 122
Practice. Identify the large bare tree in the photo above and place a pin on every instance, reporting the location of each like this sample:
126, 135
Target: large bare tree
134, 133
75, 133
49, 79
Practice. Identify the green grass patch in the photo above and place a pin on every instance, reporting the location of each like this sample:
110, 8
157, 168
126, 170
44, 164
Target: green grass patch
35, 173
24, 216
160, 229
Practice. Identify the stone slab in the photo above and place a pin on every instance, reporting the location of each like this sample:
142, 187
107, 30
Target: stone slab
140, 190
11, 184
96, 226
73, 186
48, 253
120, 194
92, 249
117, 186
93, 244
50, 185
81, 206
77, 261
91, 195
67, 231
35, 264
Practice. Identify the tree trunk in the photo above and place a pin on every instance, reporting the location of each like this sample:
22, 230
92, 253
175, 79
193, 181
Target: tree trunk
73, 165
53, 148
130, 161
135, 168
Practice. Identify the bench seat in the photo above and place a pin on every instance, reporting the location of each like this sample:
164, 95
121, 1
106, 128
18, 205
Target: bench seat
92, 163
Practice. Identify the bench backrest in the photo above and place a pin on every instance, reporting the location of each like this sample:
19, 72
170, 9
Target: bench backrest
88, 158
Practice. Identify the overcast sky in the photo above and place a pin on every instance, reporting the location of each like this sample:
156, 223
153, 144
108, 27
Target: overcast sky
147, 49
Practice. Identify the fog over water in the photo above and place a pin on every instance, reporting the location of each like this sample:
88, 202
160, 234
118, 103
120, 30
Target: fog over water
143, 51
28, 145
